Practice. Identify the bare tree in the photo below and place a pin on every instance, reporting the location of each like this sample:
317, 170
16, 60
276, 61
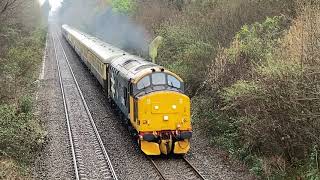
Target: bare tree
6, 5
7, 8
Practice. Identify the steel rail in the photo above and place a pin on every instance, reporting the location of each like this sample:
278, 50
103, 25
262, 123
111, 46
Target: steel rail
193, 168
156, 167
66, 113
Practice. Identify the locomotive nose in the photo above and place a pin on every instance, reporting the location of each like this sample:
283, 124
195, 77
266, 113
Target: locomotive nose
166, 111
165, 115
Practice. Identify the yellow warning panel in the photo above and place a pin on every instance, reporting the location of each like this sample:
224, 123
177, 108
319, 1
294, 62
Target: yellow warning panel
150, 148
181, 147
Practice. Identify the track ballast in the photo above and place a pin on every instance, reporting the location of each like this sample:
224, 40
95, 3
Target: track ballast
90, 158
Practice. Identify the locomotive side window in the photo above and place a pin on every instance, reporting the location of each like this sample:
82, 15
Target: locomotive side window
174, 82
158, 78
125, 96
143, 83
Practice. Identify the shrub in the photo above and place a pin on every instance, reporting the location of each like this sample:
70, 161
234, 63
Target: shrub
123, 6
252, 45
10, 170
185, 54
26, 104
313, 168
19, 67
20, 134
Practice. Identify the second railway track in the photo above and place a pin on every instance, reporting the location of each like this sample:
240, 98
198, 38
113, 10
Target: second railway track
90, 159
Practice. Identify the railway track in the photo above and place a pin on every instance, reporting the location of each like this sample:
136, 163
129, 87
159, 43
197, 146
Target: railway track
190, 171
90, 158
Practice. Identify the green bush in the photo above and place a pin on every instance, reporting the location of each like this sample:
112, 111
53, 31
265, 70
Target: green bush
123, 6
19, 67
257, 41
313, 166
20, 134
26, 104
185, 54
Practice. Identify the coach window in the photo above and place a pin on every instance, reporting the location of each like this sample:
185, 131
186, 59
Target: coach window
174, 82
143, 83
158, 78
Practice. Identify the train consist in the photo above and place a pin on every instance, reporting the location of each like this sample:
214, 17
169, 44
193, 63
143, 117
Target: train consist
150, 97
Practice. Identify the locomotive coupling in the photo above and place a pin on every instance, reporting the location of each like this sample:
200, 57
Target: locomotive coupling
166, 146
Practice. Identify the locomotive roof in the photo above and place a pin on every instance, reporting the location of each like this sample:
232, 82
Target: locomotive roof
103, 50
131, 66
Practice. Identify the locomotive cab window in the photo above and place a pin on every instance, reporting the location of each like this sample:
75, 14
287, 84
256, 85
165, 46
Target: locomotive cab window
174, 82
158, 78
143, 83
157, 81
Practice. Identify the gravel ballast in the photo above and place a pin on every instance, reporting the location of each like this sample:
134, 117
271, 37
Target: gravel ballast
55, 160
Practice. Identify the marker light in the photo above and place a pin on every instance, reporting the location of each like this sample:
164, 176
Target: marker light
166, 118
174, 106
156, 107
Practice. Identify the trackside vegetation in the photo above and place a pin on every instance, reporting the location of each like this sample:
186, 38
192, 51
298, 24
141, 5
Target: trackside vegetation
265, 100
21, 51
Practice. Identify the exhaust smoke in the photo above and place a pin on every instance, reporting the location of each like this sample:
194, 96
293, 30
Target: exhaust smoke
112, 27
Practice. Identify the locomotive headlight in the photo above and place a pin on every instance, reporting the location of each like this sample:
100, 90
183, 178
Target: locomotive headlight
174, 106
166, 118
156, 107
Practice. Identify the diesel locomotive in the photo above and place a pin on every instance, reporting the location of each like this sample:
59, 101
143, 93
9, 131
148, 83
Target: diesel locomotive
150, 97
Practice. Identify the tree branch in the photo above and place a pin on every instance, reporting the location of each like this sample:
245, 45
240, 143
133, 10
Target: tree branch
7, 5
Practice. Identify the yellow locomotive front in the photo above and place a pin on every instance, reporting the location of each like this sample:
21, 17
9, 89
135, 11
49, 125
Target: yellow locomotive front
161, 113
